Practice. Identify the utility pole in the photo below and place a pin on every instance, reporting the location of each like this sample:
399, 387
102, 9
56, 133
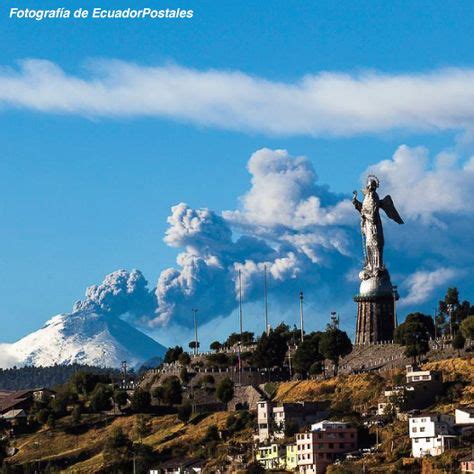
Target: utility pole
194, 310
289, 360
395, 294
450, 311
124, 374
301, 316
265, 294
240, 305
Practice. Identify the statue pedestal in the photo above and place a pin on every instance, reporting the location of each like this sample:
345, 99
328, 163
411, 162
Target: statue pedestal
375, 318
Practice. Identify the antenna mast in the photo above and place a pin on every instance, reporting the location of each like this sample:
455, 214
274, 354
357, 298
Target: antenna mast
194, 310
301, 316
265, 293
240, 304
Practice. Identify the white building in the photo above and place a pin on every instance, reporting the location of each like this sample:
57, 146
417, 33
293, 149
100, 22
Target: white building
320, 447
272, 419
414, 375
388, 398
464, 416
430, 434
264, 419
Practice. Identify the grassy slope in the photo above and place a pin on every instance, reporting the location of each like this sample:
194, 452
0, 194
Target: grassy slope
167, 432
53, 445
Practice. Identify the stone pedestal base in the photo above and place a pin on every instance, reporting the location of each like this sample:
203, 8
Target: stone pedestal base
375, 319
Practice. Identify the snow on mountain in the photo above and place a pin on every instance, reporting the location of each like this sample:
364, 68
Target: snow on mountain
84, 337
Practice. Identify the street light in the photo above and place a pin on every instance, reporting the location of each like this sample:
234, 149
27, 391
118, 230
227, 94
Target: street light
194, 310
395, 295
301, 316
450, 307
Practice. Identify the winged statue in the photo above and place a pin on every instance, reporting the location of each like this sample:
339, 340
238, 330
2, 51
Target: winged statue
371, 225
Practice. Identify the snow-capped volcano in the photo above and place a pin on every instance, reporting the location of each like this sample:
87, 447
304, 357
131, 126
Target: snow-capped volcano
83, 337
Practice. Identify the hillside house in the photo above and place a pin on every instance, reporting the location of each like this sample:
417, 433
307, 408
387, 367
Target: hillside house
419, 392
323, 444
272, 419
272, 456
464, 416
431, 434
24, 399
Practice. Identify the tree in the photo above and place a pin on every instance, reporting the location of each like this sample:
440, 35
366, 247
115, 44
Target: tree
206, 381
76, 415
454, 310
219, 359
145, 457
158, 393
215, 346
183, 374
121, 398
100, 398
307, 353
212, 433
271, 349
467, 327
62, 399
316, 368
184, 412
184, 359
141, 427
225, 390
291, 428
140, 401
255, 468
172, 354
334, 344
84, 382
42, 416
172, 392
458, 342
234, 338
51, 421
194, 345
415, 333
118, 451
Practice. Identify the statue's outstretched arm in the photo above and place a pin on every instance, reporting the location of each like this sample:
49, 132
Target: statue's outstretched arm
387, 205
355, 201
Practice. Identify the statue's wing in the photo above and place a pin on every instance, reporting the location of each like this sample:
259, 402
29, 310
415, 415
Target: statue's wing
387, 205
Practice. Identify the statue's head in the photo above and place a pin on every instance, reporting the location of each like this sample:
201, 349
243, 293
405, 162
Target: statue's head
372, 182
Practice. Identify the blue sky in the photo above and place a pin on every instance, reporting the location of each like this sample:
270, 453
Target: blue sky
84, 194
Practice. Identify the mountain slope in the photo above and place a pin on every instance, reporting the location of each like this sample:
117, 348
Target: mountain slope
84, 337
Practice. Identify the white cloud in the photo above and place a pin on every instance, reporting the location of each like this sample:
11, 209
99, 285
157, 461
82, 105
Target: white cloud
427, 189
423, 283
320, 104
7, 357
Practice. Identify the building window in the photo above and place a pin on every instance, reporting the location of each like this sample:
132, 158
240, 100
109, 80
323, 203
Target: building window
422, 429
428, 440
331, 445
341, 445
416, 440
414, 429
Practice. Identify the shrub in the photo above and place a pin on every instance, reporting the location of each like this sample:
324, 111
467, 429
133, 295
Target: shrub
184, 412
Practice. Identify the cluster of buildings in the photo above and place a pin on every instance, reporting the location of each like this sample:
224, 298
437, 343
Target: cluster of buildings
317, 441
15, 405
432, 433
